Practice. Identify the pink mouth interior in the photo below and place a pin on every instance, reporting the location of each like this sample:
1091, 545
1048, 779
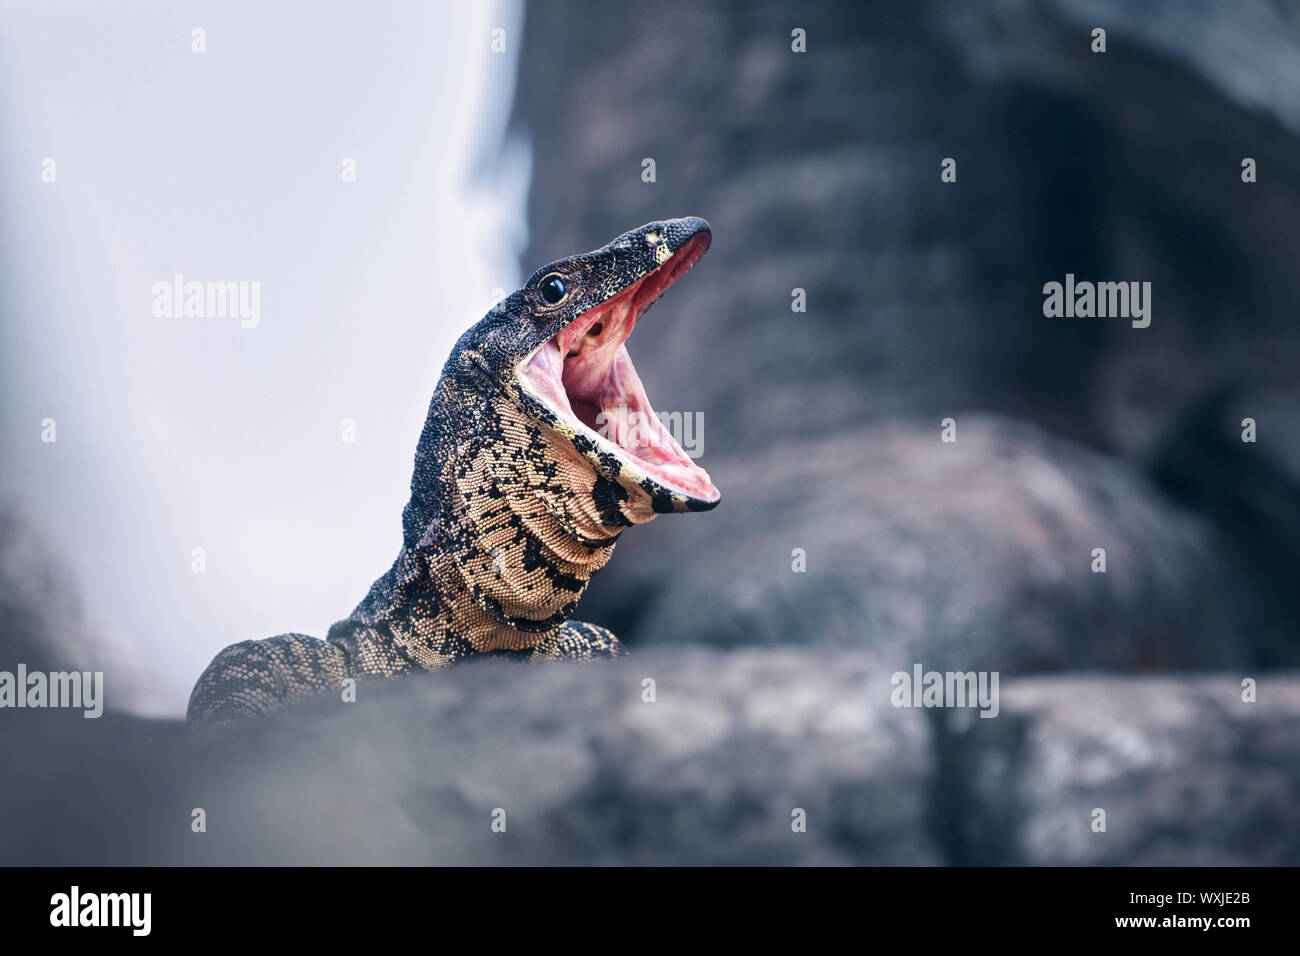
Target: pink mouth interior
585, 370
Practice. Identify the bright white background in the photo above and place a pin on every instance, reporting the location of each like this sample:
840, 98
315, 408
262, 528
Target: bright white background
175, 433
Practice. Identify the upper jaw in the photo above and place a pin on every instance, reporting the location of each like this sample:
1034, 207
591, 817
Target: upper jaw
582, 382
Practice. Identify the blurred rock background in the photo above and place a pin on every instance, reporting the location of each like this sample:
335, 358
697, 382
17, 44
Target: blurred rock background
820, 171
710, 773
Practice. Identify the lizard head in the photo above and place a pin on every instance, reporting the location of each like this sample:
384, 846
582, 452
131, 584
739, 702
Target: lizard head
557, 347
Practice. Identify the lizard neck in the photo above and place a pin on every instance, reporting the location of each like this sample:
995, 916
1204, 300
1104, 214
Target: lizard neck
518, 525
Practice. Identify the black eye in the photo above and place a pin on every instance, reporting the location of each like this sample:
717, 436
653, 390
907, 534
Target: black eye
553, 290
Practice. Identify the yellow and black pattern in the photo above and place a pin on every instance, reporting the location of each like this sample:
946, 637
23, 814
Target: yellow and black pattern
511, 512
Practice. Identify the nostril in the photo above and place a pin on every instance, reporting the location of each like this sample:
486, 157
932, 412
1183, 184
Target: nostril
596, 329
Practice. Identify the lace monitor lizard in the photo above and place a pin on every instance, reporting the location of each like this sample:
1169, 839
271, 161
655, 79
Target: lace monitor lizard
539, 448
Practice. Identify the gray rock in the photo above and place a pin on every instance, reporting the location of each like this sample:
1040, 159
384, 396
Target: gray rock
821, 171
975, 554
1186, 772
709, 773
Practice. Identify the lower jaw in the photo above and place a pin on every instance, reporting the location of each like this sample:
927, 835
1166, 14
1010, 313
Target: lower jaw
621, 413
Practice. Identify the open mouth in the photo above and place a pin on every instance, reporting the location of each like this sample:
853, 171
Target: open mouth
585, 376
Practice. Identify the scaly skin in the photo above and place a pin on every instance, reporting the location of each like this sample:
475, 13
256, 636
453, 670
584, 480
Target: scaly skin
512, 507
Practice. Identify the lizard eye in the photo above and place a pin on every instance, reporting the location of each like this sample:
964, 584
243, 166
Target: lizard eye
553, 290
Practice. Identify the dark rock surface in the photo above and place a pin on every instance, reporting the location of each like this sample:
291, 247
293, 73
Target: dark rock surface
1251, 490
1187, 772
976, 554
587, 772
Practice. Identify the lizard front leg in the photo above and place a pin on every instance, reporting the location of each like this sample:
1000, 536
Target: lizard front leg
253, 677
580, 641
